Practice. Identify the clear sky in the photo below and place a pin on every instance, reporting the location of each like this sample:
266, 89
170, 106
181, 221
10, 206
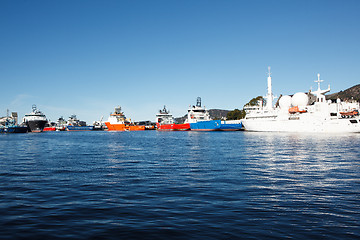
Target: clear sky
86, 57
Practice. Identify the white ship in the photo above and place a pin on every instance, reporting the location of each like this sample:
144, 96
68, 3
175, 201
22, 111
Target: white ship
303, 112
197, 113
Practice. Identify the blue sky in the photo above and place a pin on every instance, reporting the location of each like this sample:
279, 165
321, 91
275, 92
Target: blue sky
86, 57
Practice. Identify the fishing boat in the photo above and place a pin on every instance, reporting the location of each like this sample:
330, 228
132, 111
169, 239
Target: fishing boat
118, 122
74, 124
165, 122
35, 120
199, 119
303, 112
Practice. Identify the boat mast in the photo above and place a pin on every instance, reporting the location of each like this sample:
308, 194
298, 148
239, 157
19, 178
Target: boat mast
318, 81
269, 97
320, 93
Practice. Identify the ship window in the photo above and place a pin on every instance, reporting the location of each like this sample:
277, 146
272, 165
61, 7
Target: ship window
353, 121
333, 114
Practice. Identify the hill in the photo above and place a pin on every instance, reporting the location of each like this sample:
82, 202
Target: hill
348, 94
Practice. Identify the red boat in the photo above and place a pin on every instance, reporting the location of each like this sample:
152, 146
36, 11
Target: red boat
47, 129
173, 127
165, 122
49, 126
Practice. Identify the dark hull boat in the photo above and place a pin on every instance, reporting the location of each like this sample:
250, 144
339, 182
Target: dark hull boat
36, 125
15, 129
35, 120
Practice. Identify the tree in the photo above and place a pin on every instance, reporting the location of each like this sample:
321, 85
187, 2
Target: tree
256, 101
235, 114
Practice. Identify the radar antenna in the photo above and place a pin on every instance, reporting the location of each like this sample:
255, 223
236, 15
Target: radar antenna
198, 102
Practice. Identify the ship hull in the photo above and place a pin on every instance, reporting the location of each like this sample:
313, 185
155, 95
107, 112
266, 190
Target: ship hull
173, 127
49, 129
79, 128
123, 127
304, 126
36, 125
216, 125
14, 129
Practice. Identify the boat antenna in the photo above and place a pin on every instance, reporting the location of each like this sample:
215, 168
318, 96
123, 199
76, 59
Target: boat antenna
318, 81
198, 102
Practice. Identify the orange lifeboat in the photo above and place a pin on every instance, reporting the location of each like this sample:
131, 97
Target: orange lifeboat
350, 113
296, 109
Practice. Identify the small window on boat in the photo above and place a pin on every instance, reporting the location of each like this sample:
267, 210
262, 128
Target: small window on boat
353, 121
333, 114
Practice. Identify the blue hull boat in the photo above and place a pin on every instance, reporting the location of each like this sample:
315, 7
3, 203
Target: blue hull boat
216, 125
80, 128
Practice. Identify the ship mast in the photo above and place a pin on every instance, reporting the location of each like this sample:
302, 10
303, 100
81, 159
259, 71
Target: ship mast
318, 81
269, 97
320, 92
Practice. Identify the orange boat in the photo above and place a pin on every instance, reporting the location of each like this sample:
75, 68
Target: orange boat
118, 122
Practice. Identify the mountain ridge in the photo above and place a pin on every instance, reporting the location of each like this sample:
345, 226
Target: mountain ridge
352, 93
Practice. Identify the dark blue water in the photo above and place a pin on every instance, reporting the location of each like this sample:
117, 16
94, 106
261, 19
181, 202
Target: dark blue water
186, 185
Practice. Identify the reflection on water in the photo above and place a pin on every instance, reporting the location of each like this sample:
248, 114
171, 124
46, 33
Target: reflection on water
179, 184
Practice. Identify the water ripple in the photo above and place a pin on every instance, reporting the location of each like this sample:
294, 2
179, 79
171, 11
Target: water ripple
179, 185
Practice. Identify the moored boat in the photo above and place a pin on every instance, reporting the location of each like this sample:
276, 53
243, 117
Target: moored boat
49, 127
99, 125
60, 124
303, 112
9, 124
12, 127
165, 122
74, 124
79, 128
199, 119
118, 122
16, 129
35, 120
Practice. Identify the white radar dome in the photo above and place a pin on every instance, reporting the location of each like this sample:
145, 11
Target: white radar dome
299, 99
285, 102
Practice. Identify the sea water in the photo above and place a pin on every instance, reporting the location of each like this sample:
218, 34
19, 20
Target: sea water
179, 185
